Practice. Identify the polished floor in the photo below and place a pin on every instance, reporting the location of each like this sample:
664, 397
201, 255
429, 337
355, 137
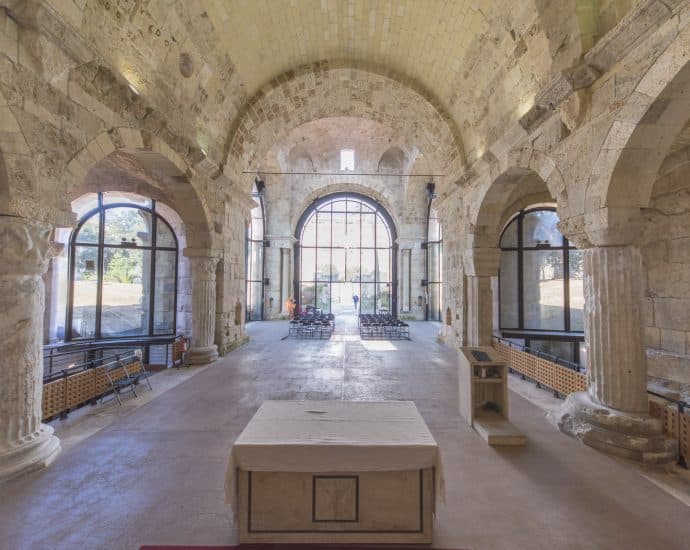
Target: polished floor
155, 474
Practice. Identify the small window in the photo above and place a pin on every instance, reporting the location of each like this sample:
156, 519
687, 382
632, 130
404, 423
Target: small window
347, 159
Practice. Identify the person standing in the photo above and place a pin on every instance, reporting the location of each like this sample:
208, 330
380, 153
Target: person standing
355, 299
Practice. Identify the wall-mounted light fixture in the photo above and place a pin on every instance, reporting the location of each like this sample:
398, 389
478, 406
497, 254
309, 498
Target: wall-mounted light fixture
431, 190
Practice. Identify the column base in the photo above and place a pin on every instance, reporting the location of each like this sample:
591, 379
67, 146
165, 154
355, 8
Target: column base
35, 454
201, 356
633, 436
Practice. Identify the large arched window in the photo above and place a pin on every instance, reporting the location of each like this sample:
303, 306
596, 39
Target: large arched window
434, 266
255, 256
123, 271
345, 249
541, 294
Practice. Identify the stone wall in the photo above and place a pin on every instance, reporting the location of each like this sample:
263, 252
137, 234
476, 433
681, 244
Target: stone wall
666, 254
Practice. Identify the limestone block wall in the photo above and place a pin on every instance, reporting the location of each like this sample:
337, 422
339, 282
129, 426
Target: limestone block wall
666, 255
454, 306
230, 277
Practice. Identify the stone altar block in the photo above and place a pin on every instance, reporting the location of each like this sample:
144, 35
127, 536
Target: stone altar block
335, 471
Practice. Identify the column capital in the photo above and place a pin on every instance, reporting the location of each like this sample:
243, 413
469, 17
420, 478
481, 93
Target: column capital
607, 226
26, 246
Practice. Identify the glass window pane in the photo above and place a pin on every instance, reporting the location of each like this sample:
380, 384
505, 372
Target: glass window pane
309, 232
323, 229
509, 289
164, 235
539, 227
366, 299
368, 230
510, 235
354, 206
543, 290
434, 251
338, 264
382, 236
353, 269
434, 231
577, 296
256, 261
339, 206
555, 348
257, 227
339, 229
164, 292
129, 225
307, 296
434, 301
126, 286
254, 301
353, 238
85, 290
368, 265
383, 262
323, 264
324, 297
383, 298
366, 208
88, 232
308, 261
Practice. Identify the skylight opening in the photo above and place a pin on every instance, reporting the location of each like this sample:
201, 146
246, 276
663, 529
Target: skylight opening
347, 159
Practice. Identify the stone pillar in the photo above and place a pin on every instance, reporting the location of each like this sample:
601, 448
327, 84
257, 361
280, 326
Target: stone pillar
203, 268
614, 336
480, 267
479, 311
25, 443
613, 414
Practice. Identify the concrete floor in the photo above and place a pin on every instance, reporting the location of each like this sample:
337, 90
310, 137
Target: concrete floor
155, 474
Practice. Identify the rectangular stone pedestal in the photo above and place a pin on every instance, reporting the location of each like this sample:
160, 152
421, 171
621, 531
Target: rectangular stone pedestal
335, 472
348, 507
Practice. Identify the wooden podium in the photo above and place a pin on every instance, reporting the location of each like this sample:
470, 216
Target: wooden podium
483, 396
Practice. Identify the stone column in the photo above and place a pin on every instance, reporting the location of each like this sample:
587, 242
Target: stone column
203, 268
614, 336
613, 414
480, 267
479, 311
25, 443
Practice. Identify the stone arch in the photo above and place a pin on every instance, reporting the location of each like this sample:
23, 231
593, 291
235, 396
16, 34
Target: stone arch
525, 177
299, 160
17, 178
392, 160
343, 188
330, 89
642, 133
153, 170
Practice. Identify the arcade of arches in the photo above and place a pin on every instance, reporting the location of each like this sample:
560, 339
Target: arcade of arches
478, 169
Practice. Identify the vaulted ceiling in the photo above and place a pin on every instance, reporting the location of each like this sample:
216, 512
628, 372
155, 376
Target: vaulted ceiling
480, 63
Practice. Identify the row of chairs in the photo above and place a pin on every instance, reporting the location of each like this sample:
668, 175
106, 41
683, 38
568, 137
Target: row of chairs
382, 327
123, 375
319, 326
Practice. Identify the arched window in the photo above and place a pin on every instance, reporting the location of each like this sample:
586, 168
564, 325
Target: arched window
123, 271
255, 256
434, 266
541, 294
345, 249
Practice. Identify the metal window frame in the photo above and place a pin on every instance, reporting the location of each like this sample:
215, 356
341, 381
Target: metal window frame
431, 284
101, 246
565, 335
250, 245
379, 213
